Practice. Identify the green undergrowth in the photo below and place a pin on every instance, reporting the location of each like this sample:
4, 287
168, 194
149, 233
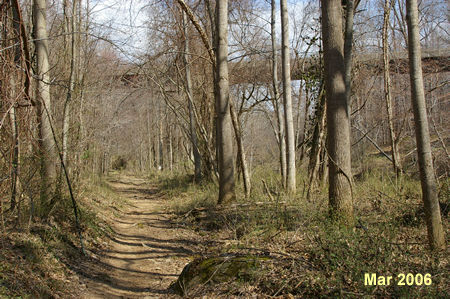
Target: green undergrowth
315, 258
37, 256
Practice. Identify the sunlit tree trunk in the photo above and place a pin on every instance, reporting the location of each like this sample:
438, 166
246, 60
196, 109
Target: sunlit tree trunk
433, 220
277, 99
160, 144
316, 144
241, 151
192, 124
338, 147
224, 134
149, 141
83, 27
350, 6
170, 147
71, 87
287, 100
387, 88
43, 103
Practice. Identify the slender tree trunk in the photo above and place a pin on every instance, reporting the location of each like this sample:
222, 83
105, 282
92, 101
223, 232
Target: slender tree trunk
323, 169
317, 140
83, 49
149, 141
305, 123
15, 156
436, 235
160, 144
100, 164
287, 100
387, 88
241, 151
71, 88
43, 103
277, 98
155, 149
192, 124
224, 134
170, 147
19, 26
16, 24
348, 49
340, 184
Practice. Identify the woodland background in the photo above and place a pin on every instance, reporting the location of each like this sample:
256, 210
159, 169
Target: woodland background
78, 104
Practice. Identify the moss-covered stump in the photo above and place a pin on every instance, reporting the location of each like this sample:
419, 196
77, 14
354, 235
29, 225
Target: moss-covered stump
214, 270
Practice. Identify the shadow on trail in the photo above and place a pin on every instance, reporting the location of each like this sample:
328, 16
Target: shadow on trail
146, 248
144, 243
139, 191
98, 271
152, 239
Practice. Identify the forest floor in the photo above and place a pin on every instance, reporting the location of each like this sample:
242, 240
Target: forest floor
146, 251
140, 232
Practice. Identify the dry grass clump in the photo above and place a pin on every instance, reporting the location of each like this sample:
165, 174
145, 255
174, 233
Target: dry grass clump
313, 257
28, 269
37, 256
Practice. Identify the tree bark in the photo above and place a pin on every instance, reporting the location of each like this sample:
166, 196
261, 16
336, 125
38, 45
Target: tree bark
43, 104
241, 151
71, 87
316, 146
160, 144
170, 147
287, 100
348, 49
433, 220
224, 134
192, 123
149, 141
23, 42
277, 98
387, 89
16, 24
340, 184
15, 156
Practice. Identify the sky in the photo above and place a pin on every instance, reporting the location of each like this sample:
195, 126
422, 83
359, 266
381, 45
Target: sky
123, 22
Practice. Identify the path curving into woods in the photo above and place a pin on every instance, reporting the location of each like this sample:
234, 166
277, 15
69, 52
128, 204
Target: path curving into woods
146, 251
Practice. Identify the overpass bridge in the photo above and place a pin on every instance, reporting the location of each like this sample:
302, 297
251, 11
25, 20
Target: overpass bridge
249, 71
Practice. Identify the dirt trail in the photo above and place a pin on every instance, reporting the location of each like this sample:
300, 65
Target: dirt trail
146, 251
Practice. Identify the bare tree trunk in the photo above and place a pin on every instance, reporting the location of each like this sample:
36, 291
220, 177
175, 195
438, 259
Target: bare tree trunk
348, 49
287, 99
170, 147
387, 88
155, 149
277, 98
12, 113
82, 44
71, 88
100, 164
241, 151
43, 103
317, 140
304, 127
192, 124
224, 134
160, 144
340, 184
436, 235
15, 156
149, 142
23, 43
